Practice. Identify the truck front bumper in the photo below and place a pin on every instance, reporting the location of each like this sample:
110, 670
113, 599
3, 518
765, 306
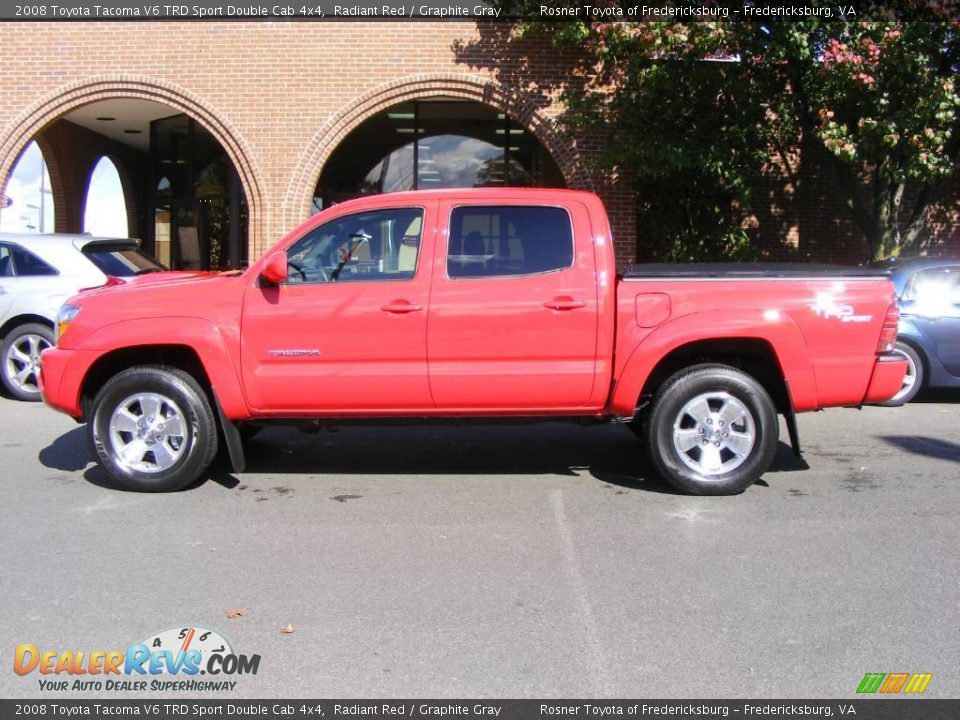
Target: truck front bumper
887, 378
61, 378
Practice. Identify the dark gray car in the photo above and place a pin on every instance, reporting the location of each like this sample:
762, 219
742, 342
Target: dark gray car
929, 332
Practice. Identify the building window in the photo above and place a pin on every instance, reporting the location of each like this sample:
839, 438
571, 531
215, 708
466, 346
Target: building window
198, 209
28, 207
105, 213
432, 144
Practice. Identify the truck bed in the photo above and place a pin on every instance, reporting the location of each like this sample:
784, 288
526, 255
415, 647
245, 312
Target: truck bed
734, 271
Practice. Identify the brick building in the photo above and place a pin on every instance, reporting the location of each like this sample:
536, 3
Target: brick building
228, 134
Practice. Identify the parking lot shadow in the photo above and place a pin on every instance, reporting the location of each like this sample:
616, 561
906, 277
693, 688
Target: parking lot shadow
926, 446
67, 452
938, 395
608, 454
71, 452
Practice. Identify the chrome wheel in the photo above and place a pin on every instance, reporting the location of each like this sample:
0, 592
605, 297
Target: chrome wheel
714, 433
147, 433
909, 380
22, 362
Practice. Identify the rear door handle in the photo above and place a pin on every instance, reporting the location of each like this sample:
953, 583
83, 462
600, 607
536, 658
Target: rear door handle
401, 307
564, 302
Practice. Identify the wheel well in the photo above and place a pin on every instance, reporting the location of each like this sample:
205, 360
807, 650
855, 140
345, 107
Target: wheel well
751, 355
24, 320
178, 356
918, 349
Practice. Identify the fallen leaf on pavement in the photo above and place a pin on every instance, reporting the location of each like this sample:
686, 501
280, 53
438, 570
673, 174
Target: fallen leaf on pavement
235, 613
287, 629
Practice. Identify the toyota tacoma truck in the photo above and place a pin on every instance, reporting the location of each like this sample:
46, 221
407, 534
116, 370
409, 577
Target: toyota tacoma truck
493, 303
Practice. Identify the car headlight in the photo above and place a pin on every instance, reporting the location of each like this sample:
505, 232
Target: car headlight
66, 316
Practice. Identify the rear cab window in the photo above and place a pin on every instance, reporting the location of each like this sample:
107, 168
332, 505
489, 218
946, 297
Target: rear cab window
121, 259
508, 240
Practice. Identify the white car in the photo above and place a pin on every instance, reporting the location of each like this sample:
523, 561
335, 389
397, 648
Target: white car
39, 272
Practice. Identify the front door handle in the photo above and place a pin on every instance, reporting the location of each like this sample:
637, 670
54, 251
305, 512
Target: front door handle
401, 307
564, 302
3, 290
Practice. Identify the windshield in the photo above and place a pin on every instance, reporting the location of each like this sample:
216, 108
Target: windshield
121, 260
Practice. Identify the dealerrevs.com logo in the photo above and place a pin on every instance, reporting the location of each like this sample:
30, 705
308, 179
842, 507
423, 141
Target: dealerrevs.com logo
171, 660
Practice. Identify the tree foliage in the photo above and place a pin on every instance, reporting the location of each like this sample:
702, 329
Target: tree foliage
692, 112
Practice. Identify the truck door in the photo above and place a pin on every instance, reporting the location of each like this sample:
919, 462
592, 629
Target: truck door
347, 332
513, 309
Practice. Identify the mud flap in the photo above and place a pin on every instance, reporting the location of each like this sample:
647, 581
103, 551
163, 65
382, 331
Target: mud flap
238, 460
791, 417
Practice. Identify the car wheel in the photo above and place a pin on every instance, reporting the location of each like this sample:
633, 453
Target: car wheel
152, 429
713, 430
21, 360
913, 380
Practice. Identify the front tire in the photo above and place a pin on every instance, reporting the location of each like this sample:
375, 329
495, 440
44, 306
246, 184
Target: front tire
20, 355
913, 380
152, 429
713, 430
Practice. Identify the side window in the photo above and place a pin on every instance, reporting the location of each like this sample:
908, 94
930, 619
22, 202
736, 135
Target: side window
936, 283
375, 245
933, 291
508, 240
26, 264
6, 261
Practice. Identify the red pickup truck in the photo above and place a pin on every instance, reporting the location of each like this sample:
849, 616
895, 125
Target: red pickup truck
467, 303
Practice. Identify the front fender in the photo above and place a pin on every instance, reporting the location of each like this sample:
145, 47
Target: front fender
775, 328
211, 344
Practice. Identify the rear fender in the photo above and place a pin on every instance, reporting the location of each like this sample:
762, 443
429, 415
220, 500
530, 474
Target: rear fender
775, 328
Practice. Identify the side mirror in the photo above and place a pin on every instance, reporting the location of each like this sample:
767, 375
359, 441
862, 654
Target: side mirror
275, 269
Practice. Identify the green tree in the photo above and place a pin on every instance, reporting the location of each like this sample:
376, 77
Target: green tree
692, 112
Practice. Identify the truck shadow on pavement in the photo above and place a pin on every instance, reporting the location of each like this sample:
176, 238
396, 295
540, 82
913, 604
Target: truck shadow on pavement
609, 454
925, 446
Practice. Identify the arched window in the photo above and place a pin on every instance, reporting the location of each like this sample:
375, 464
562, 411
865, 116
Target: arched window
431, 144
106, 209
29, 201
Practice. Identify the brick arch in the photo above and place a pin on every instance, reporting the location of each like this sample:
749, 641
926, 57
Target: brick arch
18, 133
297, 202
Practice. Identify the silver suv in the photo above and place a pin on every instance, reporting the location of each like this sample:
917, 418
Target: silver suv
39, 272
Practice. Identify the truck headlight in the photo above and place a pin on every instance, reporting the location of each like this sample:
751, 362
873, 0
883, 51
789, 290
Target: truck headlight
66, 316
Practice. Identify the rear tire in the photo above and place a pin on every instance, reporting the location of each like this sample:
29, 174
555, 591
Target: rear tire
713, 430
152, 429
913, 380
20, 358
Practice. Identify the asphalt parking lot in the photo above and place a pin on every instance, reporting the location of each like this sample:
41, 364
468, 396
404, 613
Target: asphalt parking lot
537, 561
